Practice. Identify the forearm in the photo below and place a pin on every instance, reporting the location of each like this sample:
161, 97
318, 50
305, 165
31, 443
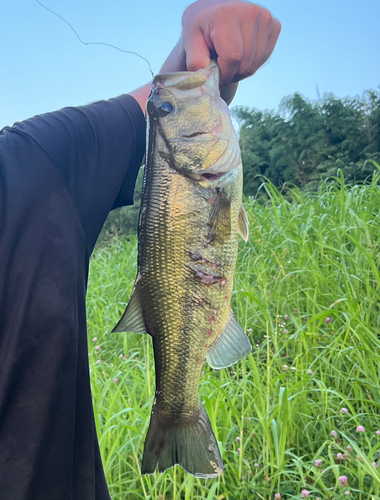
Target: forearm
141, 95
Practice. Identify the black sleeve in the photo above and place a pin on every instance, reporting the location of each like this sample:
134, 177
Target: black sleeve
98, 150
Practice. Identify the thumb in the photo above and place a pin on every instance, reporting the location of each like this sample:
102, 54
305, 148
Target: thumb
197, 52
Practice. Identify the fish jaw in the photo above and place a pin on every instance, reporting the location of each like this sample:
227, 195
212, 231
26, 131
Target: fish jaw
197, 131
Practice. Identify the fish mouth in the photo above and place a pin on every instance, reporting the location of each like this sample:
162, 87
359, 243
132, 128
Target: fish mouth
213, 177
215, 130
194, 134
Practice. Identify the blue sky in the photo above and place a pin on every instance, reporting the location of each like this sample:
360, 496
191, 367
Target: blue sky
332, 45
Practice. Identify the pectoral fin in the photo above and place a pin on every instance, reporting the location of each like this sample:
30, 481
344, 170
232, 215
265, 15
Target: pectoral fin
132, 319
243, 223
219, 222
229, 347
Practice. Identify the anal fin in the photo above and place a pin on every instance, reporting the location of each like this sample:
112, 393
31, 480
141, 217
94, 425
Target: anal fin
132, 319
229, 347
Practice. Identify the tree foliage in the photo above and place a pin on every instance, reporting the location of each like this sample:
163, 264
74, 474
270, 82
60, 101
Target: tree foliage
301, 144
305, 142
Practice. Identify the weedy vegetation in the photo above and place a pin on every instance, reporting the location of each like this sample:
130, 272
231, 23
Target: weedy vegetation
300, 417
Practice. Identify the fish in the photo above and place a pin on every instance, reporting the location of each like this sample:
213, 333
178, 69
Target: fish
190, 217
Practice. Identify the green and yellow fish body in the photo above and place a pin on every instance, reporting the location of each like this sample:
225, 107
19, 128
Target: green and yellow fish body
190, 217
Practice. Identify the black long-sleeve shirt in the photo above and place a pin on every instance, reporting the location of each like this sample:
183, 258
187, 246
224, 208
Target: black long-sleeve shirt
60, 175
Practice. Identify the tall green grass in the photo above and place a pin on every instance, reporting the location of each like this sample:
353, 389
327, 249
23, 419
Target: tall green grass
307, 291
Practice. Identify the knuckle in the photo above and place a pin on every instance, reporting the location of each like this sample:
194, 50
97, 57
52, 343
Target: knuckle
234, 56
228, 11
245, 70
253, 10
265, 16
276, 26
258, 61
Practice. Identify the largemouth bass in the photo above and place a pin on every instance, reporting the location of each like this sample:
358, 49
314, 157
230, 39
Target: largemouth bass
190, 217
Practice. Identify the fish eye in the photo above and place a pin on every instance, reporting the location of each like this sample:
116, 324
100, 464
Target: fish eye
164, 108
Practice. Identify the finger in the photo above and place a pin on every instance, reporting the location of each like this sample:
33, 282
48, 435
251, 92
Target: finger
273, 37
229, 50
249, 28
198, 54
266, 38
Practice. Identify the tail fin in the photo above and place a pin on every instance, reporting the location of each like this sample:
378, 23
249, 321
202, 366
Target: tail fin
190, 443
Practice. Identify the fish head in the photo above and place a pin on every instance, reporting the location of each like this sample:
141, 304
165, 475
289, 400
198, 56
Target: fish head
198, 138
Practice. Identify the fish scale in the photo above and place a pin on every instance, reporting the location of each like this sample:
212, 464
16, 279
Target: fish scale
191, 213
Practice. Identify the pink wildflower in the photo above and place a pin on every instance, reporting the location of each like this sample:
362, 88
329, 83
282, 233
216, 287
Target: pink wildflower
285, 368
98, 362
378, 433
238, 451
344, 411
286, 317
237, 440
95, 339
333, 434
121, 356
310, 372
328, 320
305, 493
97, 347
277, 496
348, 448
360, 428
286, 331
347, 493
339, 456
116, 380
256, 465
318, 463
343, 481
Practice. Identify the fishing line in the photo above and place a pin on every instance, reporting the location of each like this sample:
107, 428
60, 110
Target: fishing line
96, 43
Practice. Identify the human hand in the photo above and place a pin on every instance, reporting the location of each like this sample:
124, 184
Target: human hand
241, 36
